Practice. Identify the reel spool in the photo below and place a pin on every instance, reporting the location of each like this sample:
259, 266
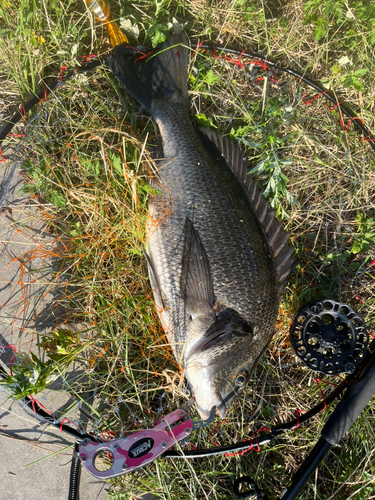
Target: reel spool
329, 337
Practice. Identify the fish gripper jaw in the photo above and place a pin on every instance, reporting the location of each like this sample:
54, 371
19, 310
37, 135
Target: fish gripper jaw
119, 456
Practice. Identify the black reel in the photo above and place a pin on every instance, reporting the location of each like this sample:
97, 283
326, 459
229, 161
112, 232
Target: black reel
329, 337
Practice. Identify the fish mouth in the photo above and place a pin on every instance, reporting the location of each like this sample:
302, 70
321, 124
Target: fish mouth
218, 335
217, 403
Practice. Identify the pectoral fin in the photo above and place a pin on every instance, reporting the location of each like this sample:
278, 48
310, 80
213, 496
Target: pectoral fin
196, 283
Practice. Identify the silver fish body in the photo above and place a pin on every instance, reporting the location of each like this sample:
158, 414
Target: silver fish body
217, 257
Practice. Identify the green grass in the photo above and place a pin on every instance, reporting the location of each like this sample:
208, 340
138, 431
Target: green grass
86, 160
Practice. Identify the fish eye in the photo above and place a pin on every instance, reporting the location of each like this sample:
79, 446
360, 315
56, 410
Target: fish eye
241, 378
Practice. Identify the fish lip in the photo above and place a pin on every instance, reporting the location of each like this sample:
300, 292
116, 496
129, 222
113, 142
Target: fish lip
217, 403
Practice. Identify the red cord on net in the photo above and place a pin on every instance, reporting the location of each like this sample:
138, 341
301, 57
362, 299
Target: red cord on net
316, 380
251, 447
110, 435
61, 74
218, 425
33, 404
321, 392
343, 379
357, 297
256, 448
298, 412
87, 58
77, 426
326, 382
261, 78
23, 115
144, 55
33, 401
238, 63
337, 105
44, 98
214, 429
308, 102
350, 122
334, 107
367, 139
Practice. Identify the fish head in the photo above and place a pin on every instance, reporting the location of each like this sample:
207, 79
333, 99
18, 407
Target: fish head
218, 367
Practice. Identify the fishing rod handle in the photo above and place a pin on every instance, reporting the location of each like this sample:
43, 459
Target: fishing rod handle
301, 477
350, 407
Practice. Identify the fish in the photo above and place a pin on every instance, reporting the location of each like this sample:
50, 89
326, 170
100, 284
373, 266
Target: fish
217, 257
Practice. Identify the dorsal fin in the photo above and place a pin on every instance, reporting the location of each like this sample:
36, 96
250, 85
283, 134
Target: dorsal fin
277, 236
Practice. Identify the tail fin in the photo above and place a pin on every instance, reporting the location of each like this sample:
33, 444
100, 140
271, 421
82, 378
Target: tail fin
162, 78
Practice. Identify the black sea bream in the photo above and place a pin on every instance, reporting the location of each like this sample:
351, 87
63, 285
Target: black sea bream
216, 255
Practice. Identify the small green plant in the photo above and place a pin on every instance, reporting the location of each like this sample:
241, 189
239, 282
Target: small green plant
365, 235
156, 28
361, 242
330, 15
204, 121
61, 345
29, 375
272, 165
202, 78
42, 175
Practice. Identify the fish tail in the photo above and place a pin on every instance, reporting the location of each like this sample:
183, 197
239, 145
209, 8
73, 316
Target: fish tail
158, 81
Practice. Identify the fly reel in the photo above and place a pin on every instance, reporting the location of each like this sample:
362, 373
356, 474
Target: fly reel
329, 337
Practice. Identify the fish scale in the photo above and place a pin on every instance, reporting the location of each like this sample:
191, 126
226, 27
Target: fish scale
216, 255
